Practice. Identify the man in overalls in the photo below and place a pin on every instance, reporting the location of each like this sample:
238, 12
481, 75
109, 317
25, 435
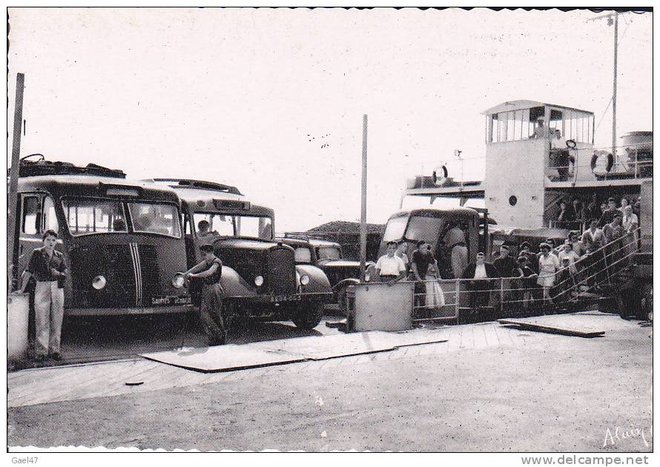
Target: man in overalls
48, 268
209, 272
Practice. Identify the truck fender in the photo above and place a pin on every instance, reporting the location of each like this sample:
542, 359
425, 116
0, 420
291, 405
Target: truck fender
318, 281
234, 285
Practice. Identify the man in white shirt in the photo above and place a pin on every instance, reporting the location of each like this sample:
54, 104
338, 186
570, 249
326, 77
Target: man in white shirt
390, 267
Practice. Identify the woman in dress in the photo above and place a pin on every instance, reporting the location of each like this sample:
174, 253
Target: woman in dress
435, 298
548, 266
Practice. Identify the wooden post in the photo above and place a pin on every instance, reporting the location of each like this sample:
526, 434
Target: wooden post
363, 214
12, 207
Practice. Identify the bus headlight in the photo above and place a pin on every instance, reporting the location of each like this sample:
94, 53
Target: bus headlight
304, 279
99, 282
178, 281
259, 281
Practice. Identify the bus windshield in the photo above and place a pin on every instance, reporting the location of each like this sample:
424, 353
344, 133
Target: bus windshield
158, 218
88, 216
228, 225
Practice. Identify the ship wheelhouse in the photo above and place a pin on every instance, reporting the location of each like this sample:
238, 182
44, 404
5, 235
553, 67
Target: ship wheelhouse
540, 154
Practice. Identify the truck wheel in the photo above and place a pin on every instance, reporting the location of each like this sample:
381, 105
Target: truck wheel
645, 310
308, 315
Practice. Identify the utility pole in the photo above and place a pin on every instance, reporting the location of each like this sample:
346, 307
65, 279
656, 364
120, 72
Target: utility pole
616, 46
613, 18
12, 208
363, 214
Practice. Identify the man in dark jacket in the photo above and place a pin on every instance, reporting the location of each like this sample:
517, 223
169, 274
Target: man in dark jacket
608, 215
481, 272
505, 264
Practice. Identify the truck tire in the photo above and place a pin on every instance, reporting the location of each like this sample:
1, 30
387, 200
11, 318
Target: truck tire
307, 315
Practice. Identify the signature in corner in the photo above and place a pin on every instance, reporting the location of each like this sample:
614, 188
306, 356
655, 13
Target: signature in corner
618, 434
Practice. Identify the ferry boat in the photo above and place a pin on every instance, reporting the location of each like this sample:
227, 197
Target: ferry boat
528, 176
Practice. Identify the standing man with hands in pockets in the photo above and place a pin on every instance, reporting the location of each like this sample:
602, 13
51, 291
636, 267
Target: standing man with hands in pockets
48, 268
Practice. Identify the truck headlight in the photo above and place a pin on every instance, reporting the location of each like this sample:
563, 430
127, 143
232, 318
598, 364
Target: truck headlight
178, 281
99, 282
259, 281
304, 279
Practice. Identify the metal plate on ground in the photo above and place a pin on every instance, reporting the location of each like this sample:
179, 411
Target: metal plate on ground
568, 325
277, 352
223, 357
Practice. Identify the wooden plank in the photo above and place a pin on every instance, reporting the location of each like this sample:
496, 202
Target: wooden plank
528, 326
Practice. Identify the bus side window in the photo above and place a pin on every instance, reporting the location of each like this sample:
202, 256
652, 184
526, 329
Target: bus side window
49, 215
30, 215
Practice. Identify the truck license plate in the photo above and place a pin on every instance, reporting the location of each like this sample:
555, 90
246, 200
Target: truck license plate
285, 298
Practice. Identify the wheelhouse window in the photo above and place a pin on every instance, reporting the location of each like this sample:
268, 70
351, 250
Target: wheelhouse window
228, 225
90, 216
328, 252
157, 218
514, 125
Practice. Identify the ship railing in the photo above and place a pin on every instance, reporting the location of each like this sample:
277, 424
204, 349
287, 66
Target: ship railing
462, 300
626, 162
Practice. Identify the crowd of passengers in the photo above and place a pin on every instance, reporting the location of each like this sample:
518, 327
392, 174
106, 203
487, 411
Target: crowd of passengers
580, 212
553, 274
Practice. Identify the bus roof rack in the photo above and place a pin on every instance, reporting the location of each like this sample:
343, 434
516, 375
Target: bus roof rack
28, 168
188, 183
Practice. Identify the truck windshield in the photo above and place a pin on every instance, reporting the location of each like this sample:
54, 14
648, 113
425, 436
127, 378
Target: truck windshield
425, 228
328, 252
417, 227
90, 216
395, 228
227, 225
155, 218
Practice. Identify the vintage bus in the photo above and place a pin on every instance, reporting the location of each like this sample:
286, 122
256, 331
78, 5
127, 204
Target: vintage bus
122, 239
260, 277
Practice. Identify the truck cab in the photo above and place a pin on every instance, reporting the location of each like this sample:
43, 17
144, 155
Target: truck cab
432, 225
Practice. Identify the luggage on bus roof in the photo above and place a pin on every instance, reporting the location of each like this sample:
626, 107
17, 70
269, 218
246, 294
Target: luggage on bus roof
41, 166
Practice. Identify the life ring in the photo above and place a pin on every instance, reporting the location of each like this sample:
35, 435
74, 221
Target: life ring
440, 175
601, 163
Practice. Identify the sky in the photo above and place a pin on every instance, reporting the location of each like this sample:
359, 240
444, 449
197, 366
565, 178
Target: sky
272, 100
